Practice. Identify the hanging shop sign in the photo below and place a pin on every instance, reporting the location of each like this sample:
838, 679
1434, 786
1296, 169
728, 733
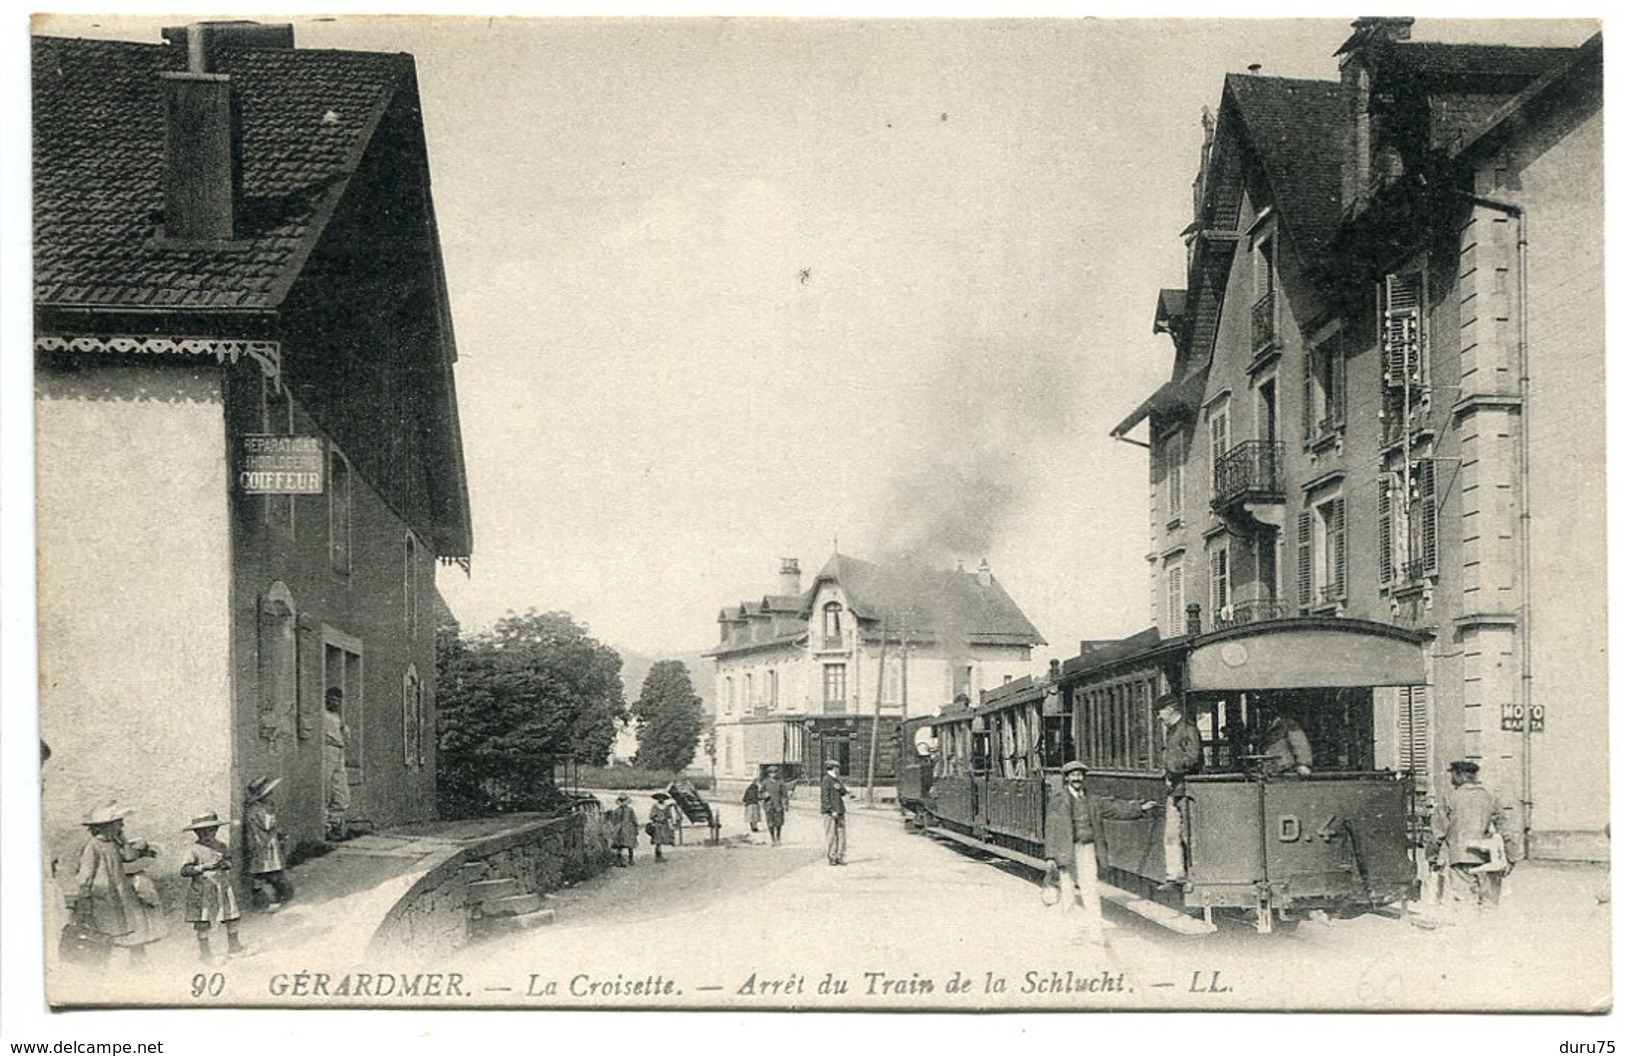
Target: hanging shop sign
281, 465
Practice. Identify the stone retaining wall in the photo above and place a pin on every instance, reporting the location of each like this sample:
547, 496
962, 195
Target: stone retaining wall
433, 917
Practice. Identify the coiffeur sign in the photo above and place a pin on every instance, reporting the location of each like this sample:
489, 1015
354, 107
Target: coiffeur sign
280, 465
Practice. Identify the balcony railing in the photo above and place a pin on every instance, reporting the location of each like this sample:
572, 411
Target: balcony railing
1413, 571
1264, 323
833, 642
1249, 471
1241, 613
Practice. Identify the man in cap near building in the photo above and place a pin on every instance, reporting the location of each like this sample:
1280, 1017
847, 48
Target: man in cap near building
1072, 825
832, 804
335, 740
1181, 755
1466, 826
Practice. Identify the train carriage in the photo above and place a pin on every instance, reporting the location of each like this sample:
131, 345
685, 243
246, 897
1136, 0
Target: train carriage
1271, 846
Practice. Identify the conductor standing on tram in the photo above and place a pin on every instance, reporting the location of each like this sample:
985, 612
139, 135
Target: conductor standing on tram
1074, 820
1181, 756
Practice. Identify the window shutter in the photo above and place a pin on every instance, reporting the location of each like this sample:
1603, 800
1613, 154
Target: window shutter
1339, 373
1308, 396
1174, 452
1413, 732
1385, 530
1176, 600
1306, 571
1218, 581
1401, 328
1338, 537
1429, 513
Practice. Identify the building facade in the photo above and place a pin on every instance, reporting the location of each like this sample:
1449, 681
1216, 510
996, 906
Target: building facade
249, 459
1386, 402
832, 671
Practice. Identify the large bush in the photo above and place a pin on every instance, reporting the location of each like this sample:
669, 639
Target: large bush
536, 692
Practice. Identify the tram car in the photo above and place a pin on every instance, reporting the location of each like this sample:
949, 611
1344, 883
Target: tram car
1265, 846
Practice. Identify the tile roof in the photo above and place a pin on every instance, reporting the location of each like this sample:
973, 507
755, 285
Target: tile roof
1295, 126
935, 603
1432, 59
98, 160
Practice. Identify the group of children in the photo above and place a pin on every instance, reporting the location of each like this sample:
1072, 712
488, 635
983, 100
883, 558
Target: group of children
622, 826
117, 905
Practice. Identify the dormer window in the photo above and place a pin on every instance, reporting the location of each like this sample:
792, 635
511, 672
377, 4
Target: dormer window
832, 623
1265, 333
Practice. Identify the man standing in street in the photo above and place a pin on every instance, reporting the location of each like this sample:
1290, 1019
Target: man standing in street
832, 804
753, 804
1071, 823
1466, 826
775, 798
1181, 755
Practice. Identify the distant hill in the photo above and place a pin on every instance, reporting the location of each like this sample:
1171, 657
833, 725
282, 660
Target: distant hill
701, 670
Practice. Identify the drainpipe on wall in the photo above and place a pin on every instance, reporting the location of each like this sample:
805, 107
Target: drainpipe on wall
1526, 675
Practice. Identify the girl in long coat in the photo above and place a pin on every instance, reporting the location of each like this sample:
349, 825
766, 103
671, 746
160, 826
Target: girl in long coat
623, 829
662, 829
108, 901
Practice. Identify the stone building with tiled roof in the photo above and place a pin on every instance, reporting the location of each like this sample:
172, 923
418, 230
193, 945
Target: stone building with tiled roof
249, 458
830, 672
1386, 405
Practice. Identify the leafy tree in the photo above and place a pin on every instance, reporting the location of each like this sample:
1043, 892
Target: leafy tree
668, 717
535, 691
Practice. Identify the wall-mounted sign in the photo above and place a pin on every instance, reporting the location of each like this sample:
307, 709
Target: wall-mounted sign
281, 465
1512, 717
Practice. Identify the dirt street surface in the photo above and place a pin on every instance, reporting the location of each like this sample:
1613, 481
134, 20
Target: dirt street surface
913, 923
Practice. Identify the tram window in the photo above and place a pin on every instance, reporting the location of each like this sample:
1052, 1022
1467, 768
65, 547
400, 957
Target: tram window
1206, 728
1056, 741
980, 750
1140, 725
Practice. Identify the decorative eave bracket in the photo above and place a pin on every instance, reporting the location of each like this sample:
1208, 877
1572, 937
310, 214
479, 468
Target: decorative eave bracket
267, 354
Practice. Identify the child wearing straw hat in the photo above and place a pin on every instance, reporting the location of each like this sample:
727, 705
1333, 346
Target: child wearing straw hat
264, 842
210, 899
105, 901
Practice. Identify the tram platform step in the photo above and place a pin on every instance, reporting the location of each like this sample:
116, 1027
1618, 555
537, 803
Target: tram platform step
1156, 912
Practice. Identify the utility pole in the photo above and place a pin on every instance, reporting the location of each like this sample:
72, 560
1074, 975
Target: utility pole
874, 729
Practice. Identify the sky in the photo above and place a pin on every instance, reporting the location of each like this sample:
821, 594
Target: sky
656, 408
727, 291
732, 290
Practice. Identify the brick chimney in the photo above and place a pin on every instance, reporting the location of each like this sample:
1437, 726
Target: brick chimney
984, 574
203, 165
789, 576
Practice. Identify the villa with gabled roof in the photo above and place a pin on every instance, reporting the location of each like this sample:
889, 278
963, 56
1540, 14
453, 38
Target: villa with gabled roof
832, 671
